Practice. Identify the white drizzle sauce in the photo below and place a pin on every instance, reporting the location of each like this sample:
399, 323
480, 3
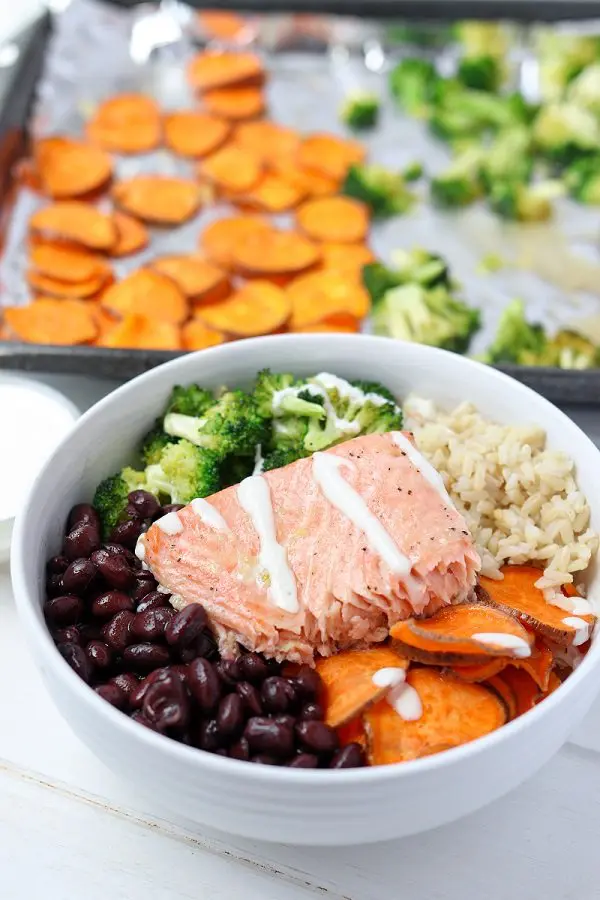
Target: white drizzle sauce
425, 468
258, 460
140, 547
582, 629
348, 391
254, 497
513, 642
171, 524
326, 472
208, 514
405, 700
388, 677
578, 606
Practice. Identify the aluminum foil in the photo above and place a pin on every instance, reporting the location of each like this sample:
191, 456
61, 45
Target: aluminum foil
98, 50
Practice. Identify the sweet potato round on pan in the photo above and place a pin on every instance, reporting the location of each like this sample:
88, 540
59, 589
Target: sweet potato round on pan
127, 123
71, 220
158, 199
216, 69
68, 167
195, 134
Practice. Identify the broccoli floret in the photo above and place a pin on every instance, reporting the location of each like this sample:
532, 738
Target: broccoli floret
374, 387
478, 38
111, 496
582, 179
412, 313
183, 472
584, 91
466, 113
232, 425
460, 184
523, 202
421, 266
508, 158
561, 57
276, 459
573, 351
189, 401
482, 72
564, 133
360, 111
279, 394
384, 192
418, 34
412, 83
154, 443
235, 469
379, 278
516, 340
413, 172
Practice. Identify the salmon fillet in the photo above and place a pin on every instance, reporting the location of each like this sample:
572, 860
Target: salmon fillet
362, 536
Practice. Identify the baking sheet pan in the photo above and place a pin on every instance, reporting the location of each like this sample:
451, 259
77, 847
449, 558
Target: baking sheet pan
555, 268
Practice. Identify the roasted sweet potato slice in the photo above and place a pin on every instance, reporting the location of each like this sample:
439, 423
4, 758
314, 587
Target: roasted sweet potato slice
71, 220
104, 320
26, 175
506, 694
538, 666
272, 194
231, 169
69, 168
453, 713
517, 594
349, 259
464, 634
339, 219
256, 308
318, 296
353, 732
354, 679
235, 104
66, 263
127, 123
222, 24
313, 184
139, 332
158, 199
330, 155
268, 141
132, 235
197, 336
51, 321
199, 280
523, 686
483, 671
269, 252
195, 134
149, 294
220, 239
217, 69
53, 287
554, 682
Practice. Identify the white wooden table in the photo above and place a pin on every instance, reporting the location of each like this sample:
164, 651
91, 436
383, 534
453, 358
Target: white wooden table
70, 829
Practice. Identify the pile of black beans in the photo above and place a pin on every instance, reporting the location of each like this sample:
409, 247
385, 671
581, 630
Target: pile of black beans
120, 634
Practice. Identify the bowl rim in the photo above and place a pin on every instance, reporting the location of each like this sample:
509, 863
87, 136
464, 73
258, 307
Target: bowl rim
41, 642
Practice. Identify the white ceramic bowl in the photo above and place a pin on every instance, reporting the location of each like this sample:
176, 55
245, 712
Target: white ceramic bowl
283, 805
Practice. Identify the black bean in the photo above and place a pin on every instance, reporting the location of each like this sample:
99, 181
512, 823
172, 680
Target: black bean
145, 504
252, 667
240, 750
146, 656
277, 694
56, 565
265, 759
77, 659
139, 692
82, 512
139, 717
64, 610
170, 507
120, 550
127, 532
230, 716
304, 761
181, 671
317, 737
251, 698
349, 757
109, 603
207, 736
81, 540
79, 575
285, 719
54, 585
204, 684
113, 694
145, 583
150, 625
228, 671
99, 654
153, 600
273, 667
266, 736
307, 683
165, 702
186, 626
69, 635
114, 568
116, 631
90, 631
127, 682
312, 710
